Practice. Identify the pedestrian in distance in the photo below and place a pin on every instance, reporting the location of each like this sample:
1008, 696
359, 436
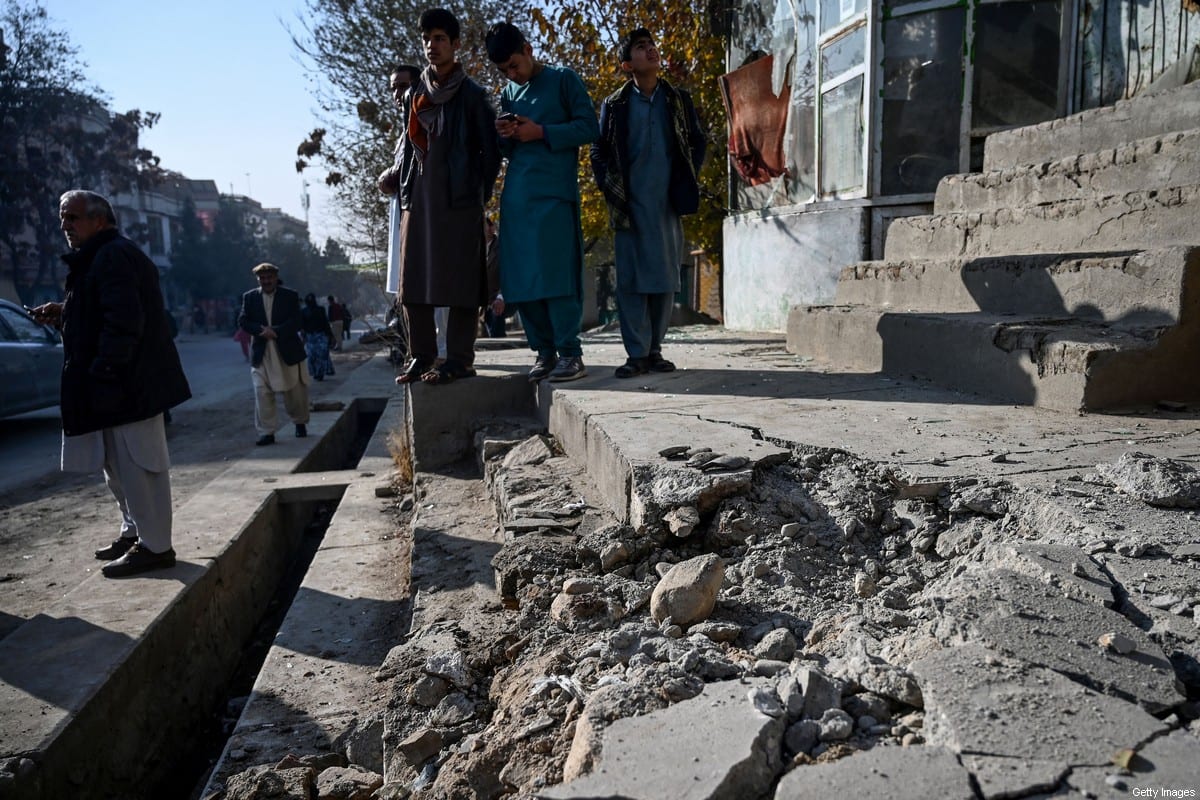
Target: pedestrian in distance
546, 117
337, 318
271, 315
199, 320
318, 335
646, 163
121, 373
444, 174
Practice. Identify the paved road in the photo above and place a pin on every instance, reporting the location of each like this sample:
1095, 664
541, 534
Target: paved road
29, 443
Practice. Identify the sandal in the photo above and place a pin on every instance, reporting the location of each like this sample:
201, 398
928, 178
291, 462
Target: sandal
413, 372
632, 368
448, 372
660, 364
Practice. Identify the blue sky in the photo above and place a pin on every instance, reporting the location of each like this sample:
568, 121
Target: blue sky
224, 74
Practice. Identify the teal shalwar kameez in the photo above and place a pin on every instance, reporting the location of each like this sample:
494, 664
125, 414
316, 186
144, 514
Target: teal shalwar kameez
541, 249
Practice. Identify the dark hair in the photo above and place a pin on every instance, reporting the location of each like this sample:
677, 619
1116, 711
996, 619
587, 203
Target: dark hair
503, 41
439, 19
413, 72
310, 299
632, 38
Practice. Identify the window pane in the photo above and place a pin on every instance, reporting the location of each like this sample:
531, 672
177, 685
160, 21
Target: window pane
751, 31
843, 54
842, 138
922, 99
802, 120
1016, 63
835, 12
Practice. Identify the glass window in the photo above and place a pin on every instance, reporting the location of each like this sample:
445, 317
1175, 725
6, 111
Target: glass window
842, 138
835, 12
802, 119
843, 54
154, 233
922, 96
1016, 64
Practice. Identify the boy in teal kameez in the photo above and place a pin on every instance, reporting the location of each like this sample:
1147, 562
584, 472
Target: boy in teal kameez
541, 252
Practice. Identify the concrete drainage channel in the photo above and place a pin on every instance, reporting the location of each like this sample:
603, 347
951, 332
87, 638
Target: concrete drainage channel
117, 690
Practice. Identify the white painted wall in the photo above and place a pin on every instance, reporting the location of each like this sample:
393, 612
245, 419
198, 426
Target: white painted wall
775, 260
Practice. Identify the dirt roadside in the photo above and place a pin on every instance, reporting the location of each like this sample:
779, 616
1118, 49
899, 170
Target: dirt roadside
50, 526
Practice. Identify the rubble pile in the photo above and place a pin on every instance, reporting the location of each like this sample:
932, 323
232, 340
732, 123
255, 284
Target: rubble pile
777, 628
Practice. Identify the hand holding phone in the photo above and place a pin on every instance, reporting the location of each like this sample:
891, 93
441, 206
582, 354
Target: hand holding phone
508, 116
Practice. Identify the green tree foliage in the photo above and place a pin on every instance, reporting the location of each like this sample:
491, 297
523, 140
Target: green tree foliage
353, 46
55, 134
584, 34
334, 254
189, 259
218, 265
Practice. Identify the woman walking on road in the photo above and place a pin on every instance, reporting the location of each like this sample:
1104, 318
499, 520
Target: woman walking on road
317, 337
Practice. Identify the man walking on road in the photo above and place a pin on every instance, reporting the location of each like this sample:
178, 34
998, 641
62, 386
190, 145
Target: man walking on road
121, 372
271, 314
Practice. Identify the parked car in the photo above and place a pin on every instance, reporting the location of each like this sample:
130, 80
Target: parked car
31, 361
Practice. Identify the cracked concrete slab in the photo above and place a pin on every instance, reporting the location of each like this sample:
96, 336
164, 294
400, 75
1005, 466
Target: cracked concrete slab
1026, 619
1167, 763
908, 773
977, 702
698, 757
999, 778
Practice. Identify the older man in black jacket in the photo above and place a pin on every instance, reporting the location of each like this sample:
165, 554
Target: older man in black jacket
271, 314
121, 372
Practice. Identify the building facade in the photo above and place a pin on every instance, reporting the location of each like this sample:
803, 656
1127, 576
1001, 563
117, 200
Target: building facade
845, 114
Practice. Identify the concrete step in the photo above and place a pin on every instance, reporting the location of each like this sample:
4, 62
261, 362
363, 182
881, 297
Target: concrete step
1144, 287
1059, 363
1139, 219
1171, 159
1095, 130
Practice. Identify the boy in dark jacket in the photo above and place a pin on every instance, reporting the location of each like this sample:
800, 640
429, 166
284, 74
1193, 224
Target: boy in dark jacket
645, 162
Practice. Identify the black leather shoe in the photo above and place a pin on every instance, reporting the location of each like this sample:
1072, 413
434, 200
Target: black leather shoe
541, 368
138, 560
267, 438
119, 547
301, 431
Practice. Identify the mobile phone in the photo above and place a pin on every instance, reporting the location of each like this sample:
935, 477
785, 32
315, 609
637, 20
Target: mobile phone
508, 116
29, 310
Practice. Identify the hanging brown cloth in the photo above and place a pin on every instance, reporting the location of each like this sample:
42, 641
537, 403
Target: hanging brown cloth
757, 119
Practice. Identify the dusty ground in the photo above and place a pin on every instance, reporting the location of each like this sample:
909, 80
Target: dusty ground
50, 526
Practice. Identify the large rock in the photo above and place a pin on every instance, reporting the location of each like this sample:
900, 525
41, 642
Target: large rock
348, 783
1155, 481
688, 592
1036, 622
713, 746
892, 772
297, 783
657, 489
977, 702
